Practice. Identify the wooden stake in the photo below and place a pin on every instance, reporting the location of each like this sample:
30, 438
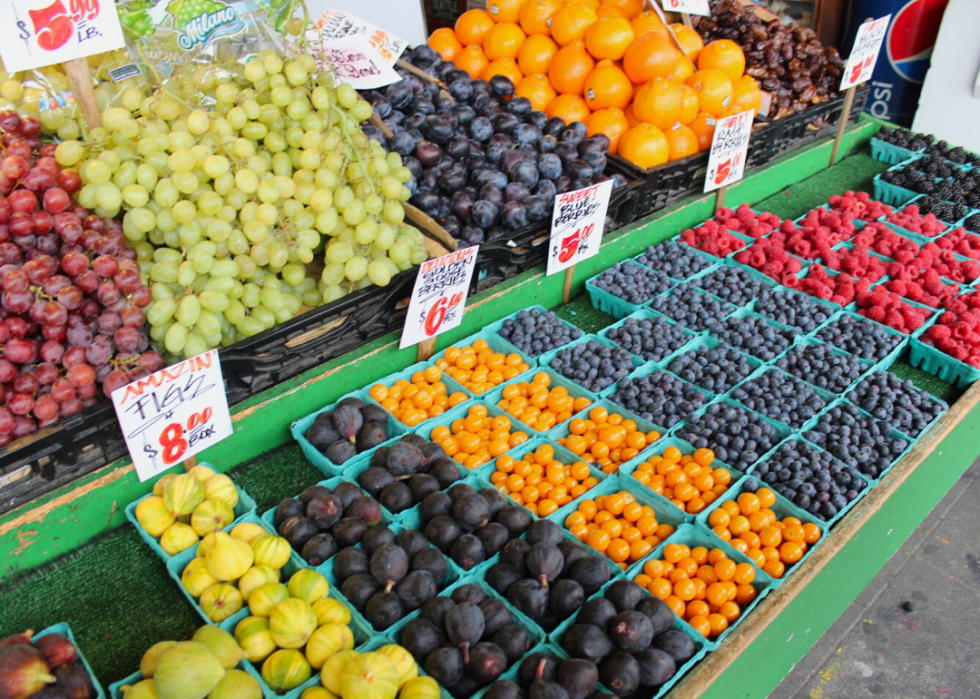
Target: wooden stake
190, 463
81, 88
420, 73
425, 349
686, 19
845, 115
567, 290
383, 127
720, 197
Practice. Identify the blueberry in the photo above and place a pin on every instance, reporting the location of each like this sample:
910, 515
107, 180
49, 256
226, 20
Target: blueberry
651, 339
535, 333
481, 129
728, 420
632, 282
791, 308
526, 173
593, 364
676, 260
400, 94
578, 169
537, 208
554, 127
461, 90
548, 144
887, 397
516, 191
462, 205
715, 370
861, 337
520, 106
688, 305
492, 193
549, 166
597, 161
505, 123
863, 443
733, 284
546, 190
527, 133
819, 366
781, 397
660, 398
752, 335
402, 143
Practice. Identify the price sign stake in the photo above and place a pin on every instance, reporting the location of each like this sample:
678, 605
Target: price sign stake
576, 229
858, 69
38, 33
174, 414
729, 149
439, 297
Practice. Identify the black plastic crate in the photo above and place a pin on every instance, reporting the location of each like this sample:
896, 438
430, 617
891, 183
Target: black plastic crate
504, 258
811, 125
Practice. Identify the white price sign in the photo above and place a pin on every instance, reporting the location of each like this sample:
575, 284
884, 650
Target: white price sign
691, 7
729, 147
337, 24
576, 225
37, 33
170, 416
867, 45
439, 296
355, 61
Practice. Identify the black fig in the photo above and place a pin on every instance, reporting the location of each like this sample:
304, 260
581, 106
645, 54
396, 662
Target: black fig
351, 561
470, 511
542, 689
396, 497
572, 551
421, 485
469, 593
445, 666
516, 518
375, 537
466, 687
370, 436
348, 532
486, 662
286, 509
598, 612
504, 689
464, 626
322, 434
514, 554
318, 549
348, 494
529, 597
383, 610
412, 541
434, 611
467, 552
56, 649
578, 677
348, 421
375, 413
656, 667
358, 589
404, 458
495, 616
417, 588
631, 631
513, 640
324, 510
538, 666
446, 472
588, 642
389, 565
565, 597
659, 614
297, 531
340, 452
435, 505
312, 492
493, 536
621, 673
365, 509
501, 576
544, 562
624, 594
461, 490
374, 479
677, 645
432, 560
591, 573
75, 680
496, 501
421, 637
442, 531
544, 531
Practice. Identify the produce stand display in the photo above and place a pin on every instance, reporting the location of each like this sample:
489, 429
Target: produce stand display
831, 279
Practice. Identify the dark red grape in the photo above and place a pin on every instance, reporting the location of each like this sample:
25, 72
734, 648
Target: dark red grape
81, 375
105, 265
108, 245
115, 379
54, 333
49, 163
52, 351
15, 280
46, 373
20, 224
55, 283
152, 361
4, 210
108, 323
79, 336
89, 390
127, 280
26, 383
10, 254
9, 122
6, 421
15, 167
17, 327
20, 403
30, 127
23, 426
132, 317
56, 200
69, 181
43, 222
48, 244
55, 313
88, 281
38, 179
126, 339
8, 371
23, 200
107, 294
142, 297
62, 390
71, 406
90, 308
71, 297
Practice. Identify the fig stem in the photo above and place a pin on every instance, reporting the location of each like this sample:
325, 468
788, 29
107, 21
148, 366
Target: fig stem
539, 673
466, 652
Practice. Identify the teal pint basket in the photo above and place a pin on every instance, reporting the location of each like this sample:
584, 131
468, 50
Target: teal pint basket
644, 314
613, 305
547, 359
65, 630
889, 153
556, 380
694, 536
245, 506
936, 362
495, 328
702, 397
497, 344
452, 386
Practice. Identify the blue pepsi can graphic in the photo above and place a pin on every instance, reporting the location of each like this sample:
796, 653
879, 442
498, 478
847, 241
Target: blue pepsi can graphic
905, 54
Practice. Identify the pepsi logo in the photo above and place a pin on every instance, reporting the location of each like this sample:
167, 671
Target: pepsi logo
911, 37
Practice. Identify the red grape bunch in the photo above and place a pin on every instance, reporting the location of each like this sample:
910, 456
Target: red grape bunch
71, 291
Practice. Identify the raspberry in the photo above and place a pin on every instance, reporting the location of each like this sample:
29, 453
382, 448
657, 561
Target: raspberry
961, 331
939, 332
724, 213
793, 266
947, 345
876, 313
894, 319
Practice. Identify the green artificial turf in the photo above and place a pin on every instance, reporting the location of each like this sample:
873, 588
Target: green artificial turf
115, 593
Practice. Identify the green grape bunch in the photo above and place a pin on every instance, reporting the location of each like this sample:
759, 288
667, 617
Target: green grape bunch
227, 206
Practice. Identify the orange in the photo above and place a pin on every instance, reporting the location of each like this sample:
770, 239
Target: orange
536, 54
571, 21
630, 8
503, 41
445, 43
503, 66
659, 102
504, 10
610, 11
714, 91
703, 127
650, 56
682, 71
473, 61
689, 40
644, 145
609, 37
569, 107
570, 67
746, 96
682, 141
631, 116
537, 89
611, 122
607, 86
725, 55
648, 21
535, 16
471, 27
688, 113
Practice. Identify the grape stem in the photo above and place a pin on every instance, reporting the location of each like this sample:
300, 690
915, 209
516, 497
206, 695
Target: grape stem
357, 153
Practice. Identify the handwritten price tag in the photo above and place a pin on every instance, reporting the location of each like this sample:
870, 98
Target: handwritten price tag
173, 414
576, 225
439, 296
37, 33
337, 24
355, 61
729, 148
867, 45
691, 7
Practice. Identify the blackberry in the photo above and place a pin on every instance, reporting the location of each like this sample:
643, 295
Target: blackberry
752, 335
859, 441
955, 154
886, 397
676, 260
943, 210
905, 138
